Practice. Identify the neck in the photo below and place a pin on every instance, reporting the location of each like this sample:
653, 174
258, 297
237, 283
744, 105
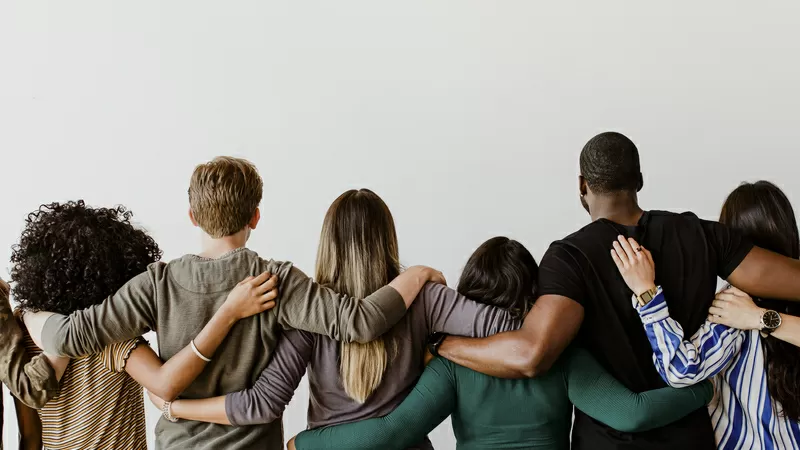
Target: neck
214, 248
618, 207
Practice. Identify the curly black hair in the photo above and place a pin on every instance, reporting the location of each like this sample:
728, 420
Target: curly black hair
71, 256
610, 163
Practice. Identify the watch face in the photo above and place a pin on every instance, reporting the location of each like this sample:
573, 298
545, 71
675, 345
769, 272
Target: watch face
771, 320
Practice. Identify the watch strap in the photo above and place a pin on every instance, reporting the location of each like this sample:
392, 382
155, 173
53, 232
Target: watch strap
434, 342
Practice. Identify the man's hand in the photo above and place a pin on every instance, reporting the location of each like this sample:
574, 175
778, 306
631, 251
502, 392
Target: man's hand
635, 264
290, 444
251, 296
736, 309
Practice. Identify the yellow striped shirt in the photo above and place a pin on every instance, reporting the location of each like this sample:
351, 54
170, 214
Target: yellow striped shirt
98, 405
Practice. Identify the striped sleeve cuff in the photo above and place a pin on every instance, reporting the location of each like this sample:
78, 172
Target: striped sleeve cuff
655, 310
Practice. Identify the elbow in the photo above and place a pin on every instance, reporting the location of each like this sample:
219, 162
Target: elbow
165, 391
531, 361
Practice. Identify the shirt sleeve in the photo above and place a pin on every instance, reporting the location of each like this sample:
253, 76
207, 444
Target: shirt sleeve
267, 399
428, 404
29, 378
115, 356
729, 246
597, 393
447, 311
684, 362
127, 314
306, 305
561, 273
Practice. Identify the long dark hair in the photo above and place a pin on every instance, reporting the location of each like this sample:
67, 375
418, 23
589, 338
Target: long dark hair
503, 273
762, 212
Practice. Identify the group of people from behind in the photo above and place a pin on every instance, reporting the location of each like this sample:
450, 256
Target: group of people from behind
622, 320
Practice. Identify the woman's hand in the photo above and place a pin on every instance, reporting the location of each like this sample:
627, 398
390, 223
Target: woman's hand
636, 265
736, 309
429, 274
156, 400
251, 296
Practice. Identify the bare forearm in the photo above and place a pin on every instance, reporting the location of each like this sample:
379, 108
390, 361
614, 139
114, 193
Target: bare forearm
789, 330
210, 410
769, 275
505, 355
176, 374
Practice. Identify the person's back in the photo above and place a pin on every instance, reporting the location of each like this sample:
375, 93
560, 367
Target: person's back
76, 418
178, 298
533, 413
690, 254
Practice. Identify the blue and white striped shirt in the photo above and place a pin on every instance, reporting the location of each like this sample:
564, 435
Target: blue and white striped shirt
742, 412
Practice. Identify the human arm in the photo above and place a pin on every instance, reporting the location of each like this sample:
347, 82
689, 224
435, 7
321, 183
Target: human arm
427, 405
167, 380
266, 400
597, 393
30, 427
306, 305
548, 328
734, 308
29, 378
763, 273
125, 315
447, 311
679, 361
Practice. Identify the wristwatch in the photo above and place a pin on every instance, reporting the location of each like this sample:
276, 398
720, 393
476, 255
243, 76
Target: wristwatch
166, 411
770, 321
646, 296
434, 342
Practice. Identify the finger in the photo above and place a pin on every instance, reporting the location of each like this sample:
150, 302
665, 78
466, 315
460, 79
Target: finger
267, 306
637, 249
714, 319
622, 255
616, 259
649, 256
627, 247
246, 280
716, 311
723, 297
722, 304
736, 291
268, 285
272, 294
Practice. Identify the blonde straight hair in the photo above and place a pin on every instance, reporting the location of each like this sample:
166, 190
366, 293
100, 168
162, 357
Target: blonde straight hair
358, 255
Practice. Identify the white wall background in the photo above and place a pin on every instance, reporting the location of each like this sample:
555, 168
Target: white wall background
466, 116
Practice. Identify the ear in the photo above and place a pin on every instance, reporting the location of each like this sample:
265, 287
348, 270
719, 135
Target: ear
254, 220
640, 185
191, 217
583, 188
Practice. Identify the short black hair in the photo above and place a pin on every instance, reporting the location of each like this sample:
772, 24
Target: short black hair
610, 163
71, 256
503, 273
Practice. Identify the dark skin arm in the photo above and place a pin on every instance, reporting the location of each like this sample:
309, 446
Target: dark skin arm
30, 427
548, 329
766, 274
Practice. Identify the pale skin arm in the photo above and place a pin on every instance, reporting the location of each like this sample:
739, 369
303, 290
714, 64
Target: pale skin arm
736, 309
251, 296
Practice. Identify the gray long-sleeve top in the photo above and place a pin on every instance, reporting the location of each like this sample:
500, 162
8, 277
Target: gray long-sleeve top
437, 309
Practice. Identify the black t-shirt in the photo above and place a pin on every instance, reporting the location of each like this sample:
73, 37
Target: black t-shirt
689, 254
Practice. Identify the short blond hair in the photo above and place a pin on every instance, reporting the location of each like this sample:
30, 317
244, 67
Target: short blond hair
224, 194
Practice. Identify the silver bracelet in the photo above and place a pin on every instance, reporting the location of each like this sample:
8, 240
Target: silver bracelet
197, 352
166, 411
